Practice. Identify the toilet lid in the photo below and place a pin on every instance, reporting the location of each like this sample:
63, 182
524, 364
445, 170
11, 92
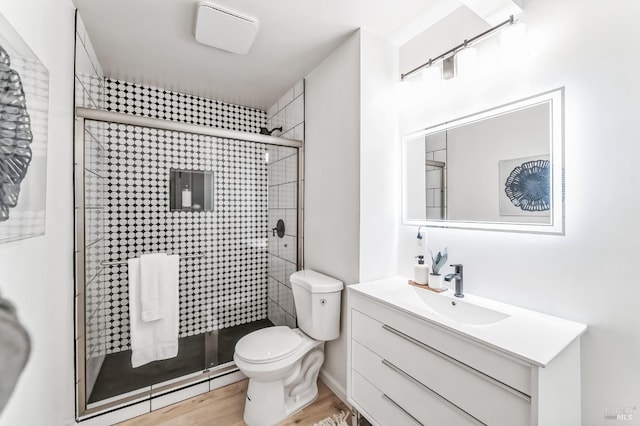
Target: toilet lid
268, 345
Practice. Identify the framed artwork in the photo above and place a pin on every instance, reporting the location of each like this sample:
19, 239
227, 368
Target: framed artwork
24, 107
525, 186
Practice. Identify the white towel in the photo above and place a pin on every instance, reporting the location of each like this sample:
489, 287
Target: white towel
154, 340
152, 279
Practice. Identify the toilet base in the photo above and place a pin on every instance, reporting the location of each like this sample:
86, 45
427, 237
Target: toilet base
268, 403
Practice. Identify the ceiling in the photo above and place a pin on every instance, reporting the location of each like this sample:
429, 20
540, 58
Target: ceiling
152, 41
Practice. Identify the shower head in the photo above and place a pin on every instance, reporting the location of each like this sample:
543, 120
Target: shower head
265, 131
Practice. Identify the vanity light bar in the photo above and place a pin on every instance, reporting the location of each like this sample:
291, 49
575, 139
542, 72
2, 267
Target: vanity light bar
451, 52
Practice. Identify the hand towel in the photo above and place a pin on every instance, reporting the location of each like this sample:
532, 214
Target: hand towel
154, 340
152, 279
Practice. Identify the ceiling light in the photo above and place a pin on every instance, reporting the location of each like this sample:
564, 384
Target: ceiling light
224, 28
465, 55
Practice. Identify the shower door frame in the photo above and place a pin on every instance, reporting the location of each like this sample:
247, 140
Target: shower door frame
89, 114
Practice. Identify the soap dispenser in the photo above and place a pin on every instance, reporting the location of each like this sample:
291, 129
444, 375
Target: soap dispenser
421, 272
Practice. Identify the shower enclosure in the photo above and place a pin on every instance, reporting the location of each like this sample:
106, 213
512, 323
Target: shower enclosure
222, 200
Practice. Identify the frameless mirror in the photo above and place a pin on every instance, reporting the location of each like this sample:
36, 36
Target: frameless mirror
500, 169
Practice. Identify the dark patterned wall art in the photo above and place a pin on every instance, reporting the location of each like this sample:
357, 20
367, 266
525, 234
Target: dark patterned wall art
24, 105
525, 186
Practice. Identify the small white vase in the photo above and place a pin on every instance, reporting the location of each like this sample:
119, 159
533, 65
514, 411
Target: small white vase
435, 281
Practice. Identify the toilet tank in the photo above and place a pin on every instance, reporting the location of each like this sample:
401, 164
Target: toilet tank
317, 301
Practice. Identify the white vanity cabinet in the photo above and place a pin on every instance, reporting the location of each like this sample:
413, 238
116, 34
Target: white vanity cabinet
407, 369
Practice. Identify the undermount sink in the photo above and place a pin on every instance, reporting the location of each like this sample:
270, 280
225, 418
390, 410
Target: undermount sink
454, 309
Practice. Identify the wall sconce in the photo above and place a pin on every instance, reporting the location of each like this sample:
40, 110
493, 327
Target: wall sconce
432, 73
461, 59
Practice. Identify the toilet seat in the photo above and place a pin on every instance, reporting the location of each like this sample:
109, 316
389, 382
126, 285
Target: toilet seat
268, 345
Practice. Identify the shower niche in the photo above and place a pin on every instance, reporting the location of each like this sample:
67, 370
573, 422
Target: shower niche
191, 190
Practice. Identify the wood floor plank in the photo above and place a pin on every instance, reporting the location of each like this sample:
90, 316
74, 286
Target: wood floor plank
225, 406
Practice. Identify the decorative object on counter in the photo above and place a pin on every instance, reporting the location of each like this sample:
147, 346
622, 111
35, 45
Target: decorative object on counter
24, 101
427, 287
421, 271
437, 262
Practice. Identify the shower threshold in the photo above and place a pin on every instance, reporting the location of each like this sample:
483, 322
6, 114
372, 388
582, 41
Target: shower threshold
195, 353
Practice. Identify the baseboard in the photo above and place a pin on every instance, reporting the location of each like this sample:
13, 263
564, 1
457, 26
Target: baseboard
335, 386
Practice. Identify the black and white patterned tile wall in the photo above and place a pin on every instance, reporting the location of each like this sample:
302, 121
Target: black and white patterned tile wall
153, 102
228, 286
287, 113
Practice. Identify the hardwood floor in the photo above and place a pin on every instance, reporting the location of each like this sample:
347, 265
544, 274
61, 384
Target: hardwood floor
224, 407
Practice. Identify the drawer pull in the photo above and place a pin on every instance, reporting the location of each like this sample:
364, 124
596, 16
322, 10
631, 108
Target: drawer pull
458, 363
434, 393
384, 396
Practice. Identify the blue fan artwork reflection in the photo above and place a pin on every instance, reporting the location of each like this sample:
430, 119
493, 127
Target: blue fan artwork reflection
528, 185
15, 135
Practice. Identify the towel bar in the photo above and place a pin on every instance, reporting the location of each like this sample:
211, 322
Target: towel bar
124, 262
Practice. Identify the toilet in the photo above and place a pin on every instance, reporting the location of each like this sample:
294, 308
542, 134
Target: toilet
282, 364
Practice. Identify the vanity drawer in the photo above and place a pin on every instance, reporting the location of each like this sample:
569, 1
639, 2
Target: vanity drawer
507, 369
481, 395
397, 392
381, 410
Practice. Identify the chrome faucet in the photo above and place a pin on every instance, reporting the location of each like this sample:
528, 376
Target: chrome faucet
457, 276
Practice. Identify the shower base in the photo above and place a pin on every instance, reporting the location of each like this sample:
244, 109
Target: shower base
195, 353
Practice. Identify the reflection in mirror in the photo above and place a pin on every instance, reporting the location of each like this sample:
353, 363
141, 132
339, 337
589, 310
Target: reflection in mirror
499, 169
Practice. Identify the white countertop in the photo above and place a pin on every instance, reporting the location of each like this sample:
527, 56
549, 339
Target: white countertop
531, 336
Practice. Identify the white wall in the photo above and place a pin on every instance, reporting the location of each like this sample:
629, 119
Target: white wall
332, 173
379, 157
37, 274
586, 275
352, 172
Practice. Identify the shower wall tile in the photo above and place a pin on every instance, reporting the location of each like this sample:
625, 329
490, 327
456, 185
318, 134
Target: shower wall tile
288, 112
285, 298
272, 290
290, 168
285, 99
290, 321
298, 132
277, 173
291, 217
277, 315
294, 113
298, 89
287, 248
276, 268
278, 120
287, 195
154, 102
289, 268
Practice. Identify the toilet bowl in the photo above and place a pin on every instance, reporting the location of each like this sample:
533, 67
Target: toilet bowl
282, 364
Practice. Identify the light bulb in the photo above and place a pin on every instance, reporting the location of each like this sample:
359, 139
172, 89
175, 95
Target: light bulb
513, 39
466, 62
432, 74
